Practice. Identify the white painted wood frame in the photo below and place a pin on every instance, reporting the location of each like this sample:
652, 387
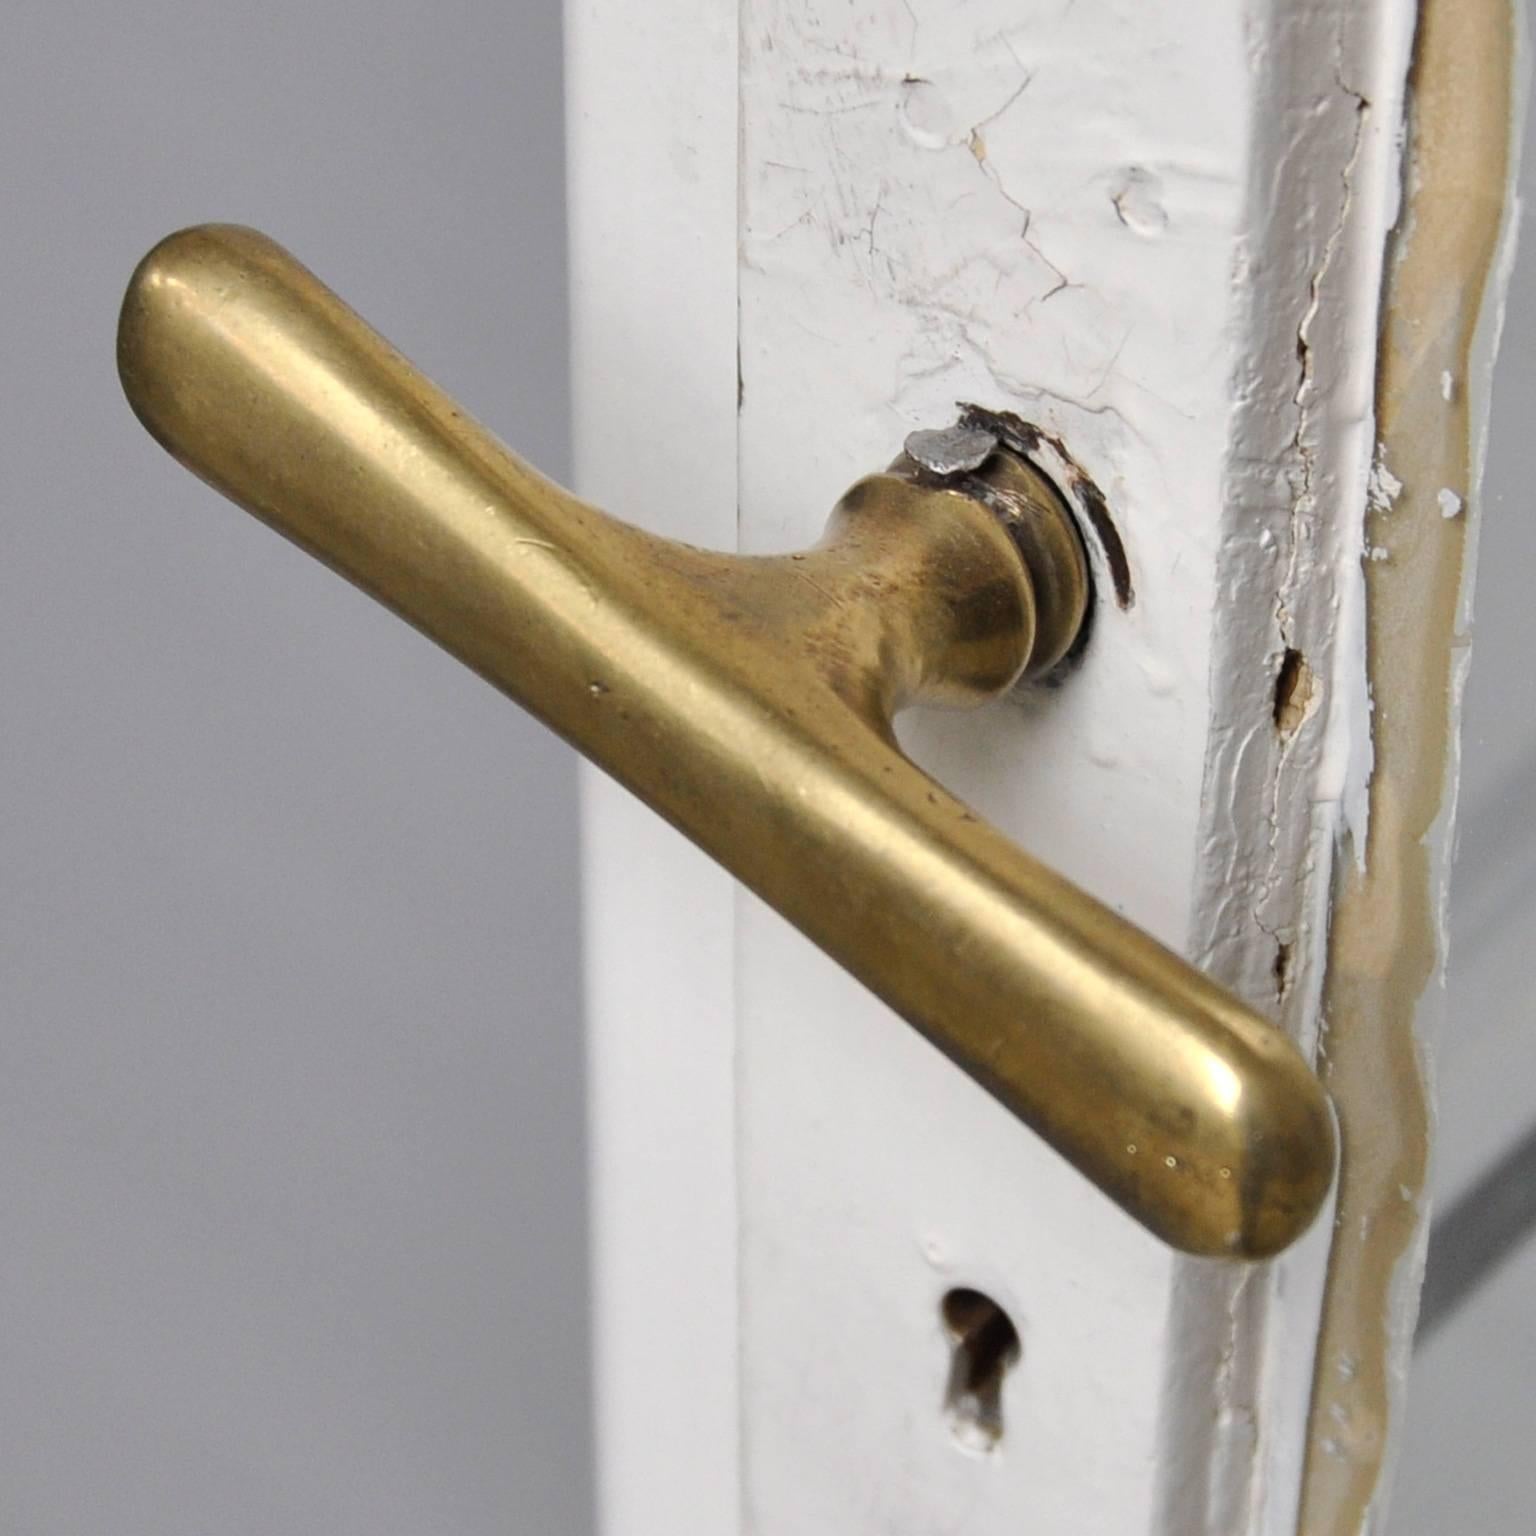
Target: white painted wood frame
800, 229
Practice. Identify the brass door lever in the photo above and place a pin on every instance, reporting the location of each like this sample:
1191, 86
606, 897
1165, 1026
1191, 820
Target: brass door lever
749, 701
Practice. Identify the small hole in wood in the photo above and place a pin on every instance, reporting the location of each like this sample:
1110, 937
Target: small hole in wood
1282, 968
1293, 691
984, 1345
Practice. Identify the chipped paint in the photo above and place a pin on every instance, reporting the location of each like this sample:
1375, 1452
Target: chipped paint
1386, 954
1288, 749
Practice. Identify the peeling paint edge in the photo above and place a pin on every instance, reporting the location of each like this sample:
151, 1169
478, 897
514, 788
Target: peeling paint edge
1281, 780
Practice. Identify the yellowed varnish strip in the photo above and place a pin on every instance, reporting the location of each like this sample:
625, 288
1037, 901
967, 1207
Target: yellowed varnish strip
1384, 948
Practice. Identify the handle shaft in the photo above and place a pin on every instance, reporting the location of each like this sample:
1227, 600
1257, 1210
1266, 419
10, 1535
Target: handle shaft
749, 702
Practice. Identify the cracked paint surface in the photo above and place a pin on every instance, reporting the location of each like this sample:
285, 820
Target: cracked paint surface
1157, 237
1290, 742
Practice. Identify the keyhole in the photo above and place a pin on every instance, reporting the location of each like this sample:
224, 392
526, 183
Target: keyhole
985, 1344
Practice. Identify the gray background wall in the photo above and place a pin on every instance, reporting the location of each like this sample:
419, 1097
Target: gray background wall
291, 1226
291, 1222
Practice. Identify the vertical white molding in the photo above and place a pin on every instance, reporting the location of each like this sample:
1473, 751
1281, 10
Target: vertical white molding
651, 125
